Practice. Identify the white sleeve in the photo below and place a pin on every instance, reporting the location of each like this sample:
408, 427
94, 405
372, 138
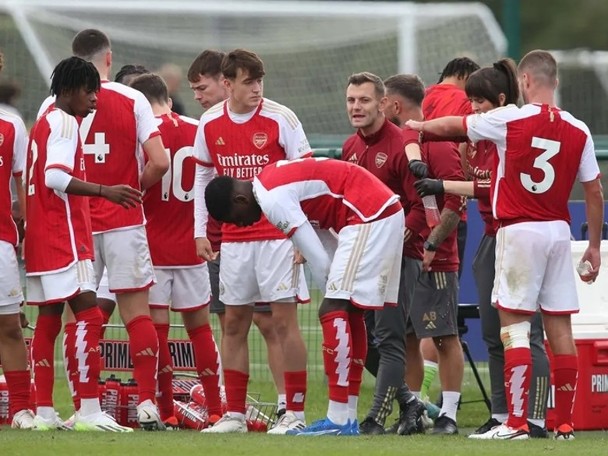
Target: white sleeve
292, 137
588, 169
204, 175
147, 126
490, 126
45, 105
19, 148
201, 152
306, 240
62, 142
57, 179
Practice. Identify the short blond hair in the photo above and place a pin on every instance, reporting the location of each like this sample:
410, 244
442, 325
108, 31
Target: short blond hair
541, 64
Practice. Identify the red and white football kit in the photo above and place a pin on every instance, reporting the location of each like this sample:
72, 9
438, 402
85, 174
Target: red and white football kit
254, 268
540, 152
13, 146
182, 277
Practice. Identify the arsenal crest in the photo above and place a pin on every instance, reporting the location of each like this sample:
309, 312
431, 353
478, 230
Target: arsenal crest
260, 140
380, 159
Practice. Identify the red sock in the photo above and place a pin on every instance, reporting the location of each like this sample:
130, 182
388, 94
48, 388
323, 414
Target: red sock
517, 370
70, 363
359, 352
19, 387
207, 366
106, 318
164, 398
295, 390
337, 353
143, 343
88, 327
43, 357
236, 390
565, 374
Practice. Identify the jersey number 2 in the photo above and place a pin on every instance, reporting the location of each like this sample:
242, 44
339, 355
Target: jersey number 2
551, 149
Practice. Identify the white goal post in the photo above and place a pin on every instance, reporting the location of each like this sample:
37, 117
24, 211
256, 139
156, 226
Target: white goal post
309, 47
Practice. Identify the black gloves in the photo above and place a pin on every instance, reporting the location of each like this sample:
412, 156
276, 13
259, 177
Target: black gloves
426, 187
418, 168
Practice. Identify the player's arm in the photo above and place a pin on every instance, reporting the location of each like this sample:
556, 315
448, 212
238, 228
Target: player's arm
442, 126
157, 164
308, 243
426, 187
18, 166
411, 144
292, 137
204, 175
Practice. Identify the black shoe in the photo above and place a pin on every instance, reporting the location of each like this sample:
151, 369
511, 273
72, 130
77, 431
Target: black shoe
491, 423
445, 426
369, 426
537, 432
409, 418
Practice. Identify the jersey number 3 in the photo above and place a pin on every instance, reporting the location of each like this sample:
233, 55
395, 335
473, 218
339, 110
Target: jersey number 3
551, 149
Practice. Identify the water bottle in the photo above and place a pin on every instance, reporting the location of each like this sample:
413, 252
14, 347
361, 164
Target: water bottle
431, 211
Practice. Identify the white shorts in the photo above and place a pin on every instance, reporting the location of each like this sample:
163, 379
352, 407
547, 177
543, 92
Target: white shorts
61, 286
103, 290
261, 271
184, 289
126, 256
366, 267
10, 285
534, 269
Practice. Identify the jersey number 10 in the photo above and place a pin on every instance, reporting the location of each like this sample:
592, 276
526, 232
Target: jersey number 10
172, 180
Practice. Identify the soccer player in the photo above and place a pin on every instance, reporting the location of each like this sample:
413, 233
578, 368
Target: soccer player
113, 139
490, 88
547, 149
447, 98
434, 309
238, 138
364, 271
182, 277
129, 72
378, 147
207, 83
59, 267
13, 352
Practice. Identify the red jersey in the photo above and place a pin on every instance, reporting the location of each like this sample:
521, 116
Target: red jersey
442, 100
241, 145
13, 147
112, 137
58, 225
169, 204
540, 152
383, 155
481, 159
328, 193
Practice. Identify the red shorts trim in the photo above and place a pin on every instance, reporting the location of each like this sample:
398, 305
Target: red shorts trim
367, 307
132, 290
54, 301
515, 311
559, 312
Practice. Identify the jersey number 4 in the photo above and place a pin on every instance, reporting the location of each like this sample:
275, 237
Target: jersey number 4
551, 149
99, 148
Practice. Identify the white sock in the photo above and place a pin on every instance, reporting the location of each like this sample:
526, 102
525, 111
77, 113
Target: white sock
300, 416
282, 401
337, 412
237, 415
48, 413
539, 423
353, 401
502, 417
449, 405
89, 407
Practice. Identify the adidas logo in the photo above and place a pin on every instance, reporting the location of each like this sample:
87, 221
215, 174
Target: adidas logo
298, 397
566, 387
282, 287
43, 363
146, 352
166, 370
207, 372
430, 325
220, 142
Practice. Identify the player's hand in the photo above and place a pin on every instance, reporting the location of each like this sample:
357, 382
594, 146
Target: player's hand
414, 125
592, 255
298, 258
427, 259
419, 169
124, 195
426, 187
23, 320
204, 250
